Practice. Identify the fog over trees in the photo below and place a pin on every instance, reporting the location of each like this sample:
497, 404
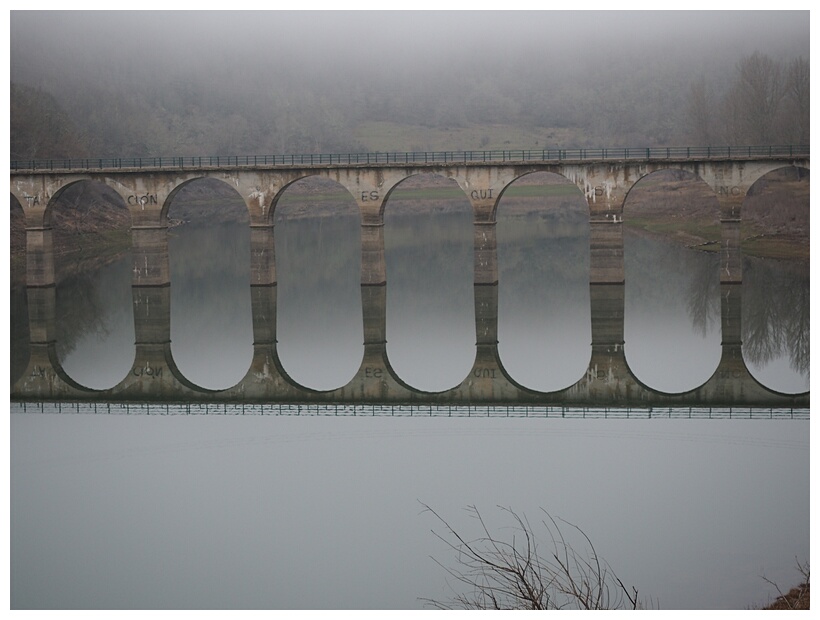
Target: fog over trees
111, 84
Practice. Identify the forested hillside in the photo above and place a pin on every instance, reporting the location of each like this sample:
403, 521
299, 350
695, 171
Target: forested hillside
134, 84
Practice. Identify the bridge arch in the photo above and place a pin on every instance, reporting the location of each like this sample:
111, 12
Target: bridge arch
431, 185
186, 189
317, 235
763, 170
775, 317
544, 319
302, 177
672, 296
69, 188
430, 273
94, 325
209, 254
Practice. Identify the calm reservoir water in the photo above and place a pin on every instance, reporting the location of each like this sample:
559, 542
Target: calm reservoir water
115, 511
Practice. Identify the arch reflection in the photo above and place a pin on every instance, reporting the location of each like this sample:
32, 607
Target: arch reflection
209, 255
776, 317
543, 300
428, 236
672, 331
318, 259
92, 257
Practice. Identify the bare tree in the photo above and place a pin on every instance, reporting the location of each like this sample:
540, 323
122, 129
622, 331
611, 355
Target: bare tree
700, 113
796, 598
515, 574
797, 86
756, 98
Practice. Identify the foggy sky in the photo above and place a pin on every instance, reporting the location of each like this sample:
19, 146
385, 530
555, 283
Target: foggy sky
151, 83
359, 43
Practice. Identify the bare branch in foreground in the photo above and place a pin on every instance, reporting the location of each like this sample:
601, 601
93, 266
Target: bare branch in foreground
516, 574
796, 598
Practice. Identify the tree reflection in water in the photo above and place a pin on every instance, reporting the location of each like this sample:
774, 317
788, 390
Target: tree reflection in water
776, 313
704, 297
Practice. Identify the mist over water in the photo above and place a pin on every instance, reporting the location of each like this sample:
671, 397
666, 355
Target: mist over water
672, 314
211, 326
254, 512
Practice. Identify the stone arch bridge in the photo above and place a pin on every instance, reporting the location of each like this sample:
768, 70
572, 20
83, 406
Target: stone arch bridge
604, 176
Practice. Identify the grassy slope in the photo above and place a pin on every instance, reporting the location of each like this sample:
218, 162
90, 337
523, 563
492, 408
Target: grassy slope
385, 136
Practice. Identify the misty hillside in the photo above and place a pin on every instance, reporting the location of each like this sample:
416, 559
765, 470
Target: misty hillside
121, 84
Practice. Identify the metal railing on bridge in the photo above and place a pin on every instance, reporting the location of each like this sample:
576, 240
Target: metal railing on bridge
398, 158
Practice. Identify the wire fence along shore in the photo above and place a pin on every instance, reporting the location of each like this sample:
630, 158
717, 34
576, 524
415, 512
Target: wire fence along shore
415, 410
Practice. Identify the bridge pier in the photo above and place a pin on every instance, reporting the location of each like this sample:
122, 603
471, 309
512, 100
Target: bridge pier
44, 377
149, 229
608, 379
154, 374
375, 381
40, 257
487, 381
485, 253
606, 250
266, 379
374, 272
149, 249
732, 383
263, 255
731, 256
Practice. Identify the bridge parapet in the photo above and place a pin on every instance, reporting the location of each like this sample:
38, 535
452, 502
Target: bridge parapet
418, 158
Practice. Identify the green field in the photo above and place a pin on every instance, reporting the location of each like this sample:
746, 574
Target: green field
384, 136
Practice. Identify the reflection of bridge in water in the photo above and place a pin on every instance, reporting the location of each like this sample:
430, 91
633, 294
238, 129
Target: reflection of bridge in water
608, 380
605, 182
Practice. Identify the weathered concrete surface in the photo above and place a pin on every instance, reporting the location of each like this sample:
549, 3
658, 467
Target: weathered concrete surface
605, 185
40, 257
